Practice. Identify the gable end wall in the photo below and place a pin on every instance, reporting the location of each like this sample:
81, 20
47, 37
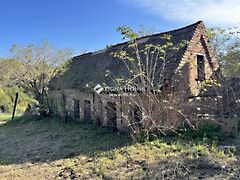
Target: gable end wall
198, 45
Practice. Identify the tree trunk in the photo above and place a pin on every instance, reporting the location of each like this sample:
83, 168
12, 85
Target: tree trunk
42, 104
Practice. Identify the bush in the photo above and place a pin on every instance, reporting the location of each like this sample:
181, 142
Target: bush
207, 132
141, 137
5, 101
7, 98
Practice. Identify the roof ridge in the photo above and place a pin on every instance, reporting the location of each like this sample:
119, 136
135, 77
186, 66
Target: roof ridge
173, 30
152, 35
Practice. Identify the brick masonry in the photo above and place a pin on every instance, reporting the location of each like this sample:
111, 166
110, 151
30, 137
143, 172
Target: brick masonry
185, 84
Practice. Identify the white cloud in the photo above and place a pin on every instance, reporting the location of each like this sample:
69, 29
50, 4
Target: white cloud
214, 12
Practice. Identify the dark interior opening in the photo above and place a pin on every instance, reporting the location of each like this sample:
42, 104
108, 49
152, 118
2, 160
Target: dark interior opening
112, 114
76, 109
200, 68
87, 110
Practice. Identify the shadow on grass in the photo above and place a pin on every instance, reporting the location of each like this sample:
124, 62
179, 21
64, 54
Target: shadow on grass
27, 139
192, 168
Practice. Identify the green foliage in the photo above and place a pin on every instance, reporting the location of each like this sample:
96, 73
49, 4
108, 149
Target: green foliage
7, 98
232, 63
206, 133
127, 33
237, 150
226, 43
189, 148
5, 117
141, 137
31, 69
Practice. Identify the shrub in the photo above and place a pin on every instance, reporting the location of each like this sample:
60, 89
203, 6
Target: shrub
206, 132
7, 98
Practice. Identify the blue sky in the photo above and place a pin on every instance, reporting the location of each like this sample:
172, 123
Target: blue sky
91, 24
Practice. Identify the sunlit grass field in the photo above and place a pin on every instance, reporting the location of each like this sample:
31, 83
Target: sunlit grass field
7, 117
51, 149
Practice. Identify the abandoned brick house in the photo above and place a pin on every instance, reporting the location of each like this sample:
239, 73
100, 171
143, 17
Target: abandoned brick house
82, 102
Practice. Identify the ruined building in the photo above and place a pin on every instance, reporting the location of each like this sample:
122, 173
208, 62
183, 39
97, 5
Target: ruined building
72, 93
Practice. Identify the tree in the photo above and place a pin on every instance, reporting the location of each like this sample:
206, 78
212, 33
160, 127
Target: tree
8, 88
227, 47
226, 43
7, 68
37, 64
146, 66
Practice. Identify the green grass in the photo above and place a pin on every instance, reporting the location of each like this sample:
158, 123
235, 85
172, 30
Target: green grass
7, 117
51, 149
54, 139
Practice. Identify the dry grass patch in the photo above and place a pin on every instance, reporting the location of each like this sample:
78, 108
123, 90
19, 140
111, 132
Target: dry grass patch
50, 149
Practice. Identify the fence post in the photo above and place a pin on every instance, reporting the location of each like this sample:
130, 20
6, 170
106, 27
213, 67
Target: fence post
15, 105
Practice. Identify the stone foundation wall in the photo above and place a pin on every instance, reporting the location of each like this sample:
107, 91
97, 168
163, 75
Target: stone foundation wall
172, 118
98, 106
60, 99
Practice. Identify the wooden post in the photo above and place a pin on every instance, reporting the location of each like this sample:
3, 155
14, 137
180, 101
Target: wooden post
15, 105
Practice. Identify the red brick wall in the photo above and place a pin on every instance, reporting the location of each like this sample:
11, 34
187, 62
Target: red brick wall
199, 45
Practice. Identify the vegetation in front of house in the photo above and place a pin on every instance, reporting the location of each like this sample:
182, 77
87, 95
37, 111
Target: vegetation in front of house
49, 148
7, 98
